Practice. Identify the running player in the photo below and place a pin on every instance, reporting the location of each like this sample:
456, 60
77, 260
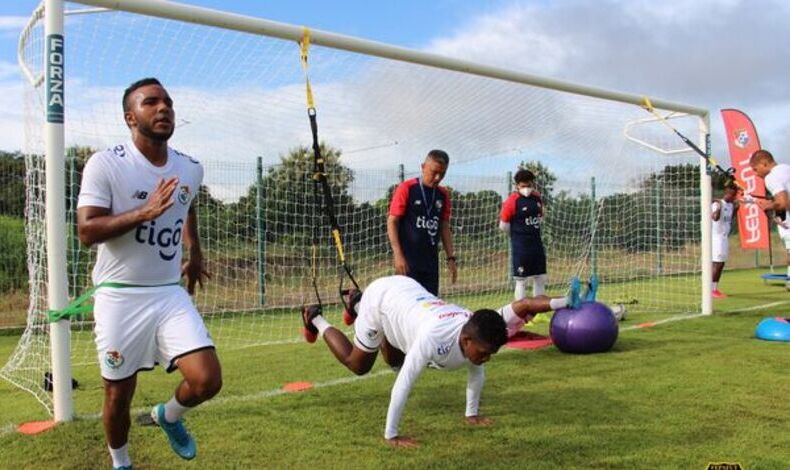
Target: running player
137, 204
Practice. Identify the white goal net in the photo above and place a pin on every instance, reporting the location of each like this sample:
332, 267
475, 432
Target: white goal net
613, 206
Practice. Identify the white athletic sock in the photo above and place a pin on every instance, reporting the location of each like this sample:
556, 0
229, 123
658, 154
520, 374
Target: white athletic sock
715, 286
514, 322
521, 289
558, 303
120, 456
174, 410
538, 285
320, 322
788, 271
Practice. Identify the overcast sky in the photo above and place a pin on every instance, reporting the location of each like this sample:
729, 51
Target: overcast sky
709, 53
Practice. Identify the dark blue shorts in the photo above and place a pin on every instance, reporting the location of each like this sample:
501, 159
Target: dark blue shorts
530, 262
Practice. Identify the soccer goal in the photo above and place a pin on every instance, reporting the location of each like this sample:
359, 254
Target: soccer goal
624, 199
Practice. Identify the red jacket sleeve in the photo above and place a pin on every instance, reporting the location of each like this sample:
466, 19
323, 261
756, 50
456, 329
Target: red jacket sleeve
400, 200
508, 208
447, 208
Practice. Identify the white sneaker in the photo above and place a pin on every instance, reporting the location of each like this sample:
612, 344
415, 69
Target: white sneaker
619, 311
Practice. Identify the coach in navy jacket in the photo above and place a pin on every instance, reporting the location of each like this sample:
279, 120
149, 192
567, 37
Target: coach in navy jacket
419, 218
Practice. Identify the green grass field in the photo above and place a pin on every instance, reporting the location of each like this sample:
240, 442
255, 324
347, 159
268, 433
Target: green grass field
681, 394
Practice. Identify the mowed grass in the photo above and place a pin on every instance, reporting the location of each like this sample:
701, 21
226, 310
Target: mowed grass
681, 394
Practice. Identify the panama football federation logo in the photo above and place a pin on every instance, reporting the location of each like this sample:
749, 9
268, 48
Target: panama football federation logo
741, 138
184, 194
113, 359
439, 205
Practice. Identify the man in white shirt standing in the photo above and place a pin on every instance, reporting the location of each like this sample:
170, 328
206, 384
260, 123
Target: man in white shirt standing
777, 180
414, 329
136, 203
722, 211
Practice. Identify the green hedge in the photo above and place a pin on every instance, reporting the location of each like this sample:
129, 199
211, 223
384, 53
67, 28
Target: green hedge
13, 265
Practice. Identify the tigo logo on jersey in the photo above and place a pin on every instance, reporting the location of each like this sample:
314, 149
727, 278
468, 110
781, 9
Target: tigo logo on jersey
164, 238
113, 359
183, 195
533, 221
741, 138
430, 224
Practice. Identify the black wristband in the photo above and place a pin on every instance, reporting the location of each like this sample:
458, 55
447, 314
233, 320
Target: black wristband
452, 258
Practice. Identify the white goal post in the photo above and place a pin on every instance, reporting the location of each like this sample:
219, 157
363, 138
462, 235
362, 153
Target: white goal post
56, 80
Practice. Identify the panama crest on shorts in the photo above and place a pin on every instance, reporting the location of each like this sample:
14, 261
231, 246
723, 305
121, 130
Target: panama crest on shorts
113, 359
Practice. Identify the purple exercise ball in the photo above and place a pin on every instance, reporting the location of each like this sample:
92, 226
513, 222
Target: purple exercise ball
591, 328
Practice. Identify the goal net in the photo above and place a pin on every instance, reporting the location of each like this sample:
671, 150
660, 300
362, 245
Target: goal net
614, 206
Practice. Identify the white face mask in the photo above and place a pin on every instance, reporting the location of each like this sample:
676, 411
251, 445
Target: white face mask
525, 191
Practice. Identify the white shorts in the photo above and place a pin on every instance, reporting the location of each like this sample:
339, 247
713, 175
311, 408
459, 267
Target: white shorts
137, 328
369, 325
784, 234
720, 249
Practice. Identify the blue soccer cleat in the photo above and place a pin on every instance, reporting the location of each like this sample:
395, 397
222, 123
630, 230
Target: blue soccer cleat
573, 299
592, 289
125, 467
180, 440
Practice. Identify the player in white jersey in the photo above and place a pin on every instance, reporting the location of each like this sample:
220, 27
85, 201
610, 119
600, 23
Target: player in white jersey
722, 212
136, 203
414, 329
777, 180
783, 227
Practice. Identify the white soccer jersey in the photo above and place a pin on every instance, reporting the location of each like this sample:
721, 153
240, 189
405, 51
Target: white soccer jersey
778, 179
721, 227
423, 326
121, 179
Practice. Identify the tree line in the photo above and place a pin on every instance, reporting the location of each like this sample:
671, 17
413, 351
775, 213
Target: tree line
287, 206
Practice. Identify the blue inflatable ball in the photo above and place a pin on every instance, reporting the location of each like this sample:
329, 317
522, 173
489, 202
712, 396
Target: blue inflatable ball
773, 329
591, 328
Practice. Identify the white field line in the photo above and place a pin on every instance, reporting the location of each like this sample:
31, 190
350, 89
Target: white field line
10, 428
757, 307
666, 320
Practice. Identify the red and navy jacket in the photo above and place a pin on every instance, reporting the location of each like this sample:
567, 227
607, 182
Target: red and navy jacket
524, 214
421, 211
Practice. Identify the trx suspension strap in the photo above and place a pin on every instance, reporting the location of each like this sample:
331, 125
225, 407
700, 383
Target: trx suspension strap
322, 183
728, 173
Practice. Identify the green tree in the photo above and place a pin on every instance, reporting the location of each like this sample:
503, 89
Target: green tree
12, 184
292, 201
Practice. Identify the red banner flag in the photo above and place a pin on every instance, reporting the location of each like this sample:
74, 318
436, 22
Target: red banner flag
742, 141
